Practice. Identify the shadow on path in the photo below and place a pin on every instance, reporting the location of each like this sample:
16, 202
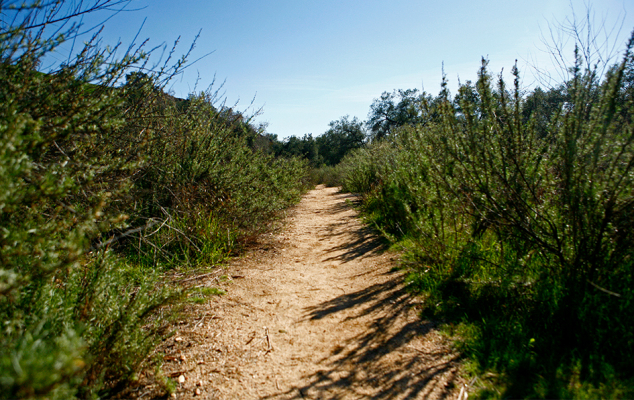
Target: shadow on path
383, 356
393, 354
363, 242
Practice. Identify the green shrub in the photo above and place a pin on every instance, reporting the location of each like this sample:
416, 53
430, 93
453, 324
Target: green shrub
326, 175
100, 183
202, 188
519, 230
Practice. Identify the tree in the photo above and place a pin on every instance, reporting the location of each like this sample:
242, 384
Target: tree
304, 147
540, 106
399, 108
344, 135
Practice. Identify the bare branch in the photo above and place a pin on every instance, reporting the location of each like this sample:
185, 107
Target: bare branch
596, 39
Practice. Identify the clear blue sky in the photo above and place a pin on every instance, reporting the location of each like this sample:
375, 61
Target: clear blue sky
310, 62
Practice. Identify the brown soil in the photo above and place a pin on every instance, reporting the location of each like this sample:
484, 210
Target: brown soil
316, 312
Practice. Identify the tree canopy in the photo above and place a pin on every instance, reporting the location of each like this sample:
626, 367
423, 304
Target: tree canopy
344, 135
400, 108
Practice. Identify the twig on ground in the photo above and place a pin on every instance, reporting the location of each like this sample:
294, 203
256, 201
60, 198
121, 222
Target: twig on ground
201, 321
268, 340
462, 393
251, 338
179, 373
196, 277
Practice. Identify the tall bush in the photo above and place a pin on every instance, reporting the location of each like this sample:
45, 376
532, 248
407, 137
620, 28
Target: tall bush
521, 228
102, 181
73, 315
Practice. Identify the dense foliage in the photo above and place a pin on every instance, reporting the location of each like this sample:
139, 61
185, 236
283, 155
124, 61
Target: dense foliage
327, 149
105, 185
392, 111
515, 211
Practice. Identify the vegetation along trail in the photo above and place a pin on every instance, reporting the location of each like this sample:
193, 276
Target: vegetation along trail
317, 312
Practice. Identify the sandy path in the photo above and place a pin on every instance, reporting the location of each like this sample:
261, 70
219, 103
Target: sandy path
315, 313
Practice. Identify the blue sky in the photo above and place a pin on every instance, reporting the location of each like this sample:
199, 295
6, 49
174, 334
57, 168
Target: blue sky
310, 62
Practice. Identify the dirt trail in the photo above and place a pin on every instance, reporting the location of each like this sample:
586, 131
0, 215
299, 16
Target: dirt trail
314, 313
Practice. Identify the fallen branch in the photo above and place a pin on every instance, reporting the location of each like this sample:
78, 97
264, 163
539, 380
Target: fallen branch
127, 233
604, 290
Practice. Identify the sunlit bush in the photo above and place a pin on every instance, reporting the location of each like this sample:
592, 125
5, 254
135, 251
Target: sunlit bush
106, 181
518, 228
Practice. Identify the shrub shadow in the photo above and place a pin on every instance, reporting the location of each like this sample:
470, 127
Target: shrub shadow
387, 355
361, 243
396, 357
365, 243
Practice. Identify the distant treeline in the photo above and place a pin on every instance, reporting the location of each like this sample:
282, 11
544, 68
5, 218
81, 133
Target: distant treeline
392, 112
326, 149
